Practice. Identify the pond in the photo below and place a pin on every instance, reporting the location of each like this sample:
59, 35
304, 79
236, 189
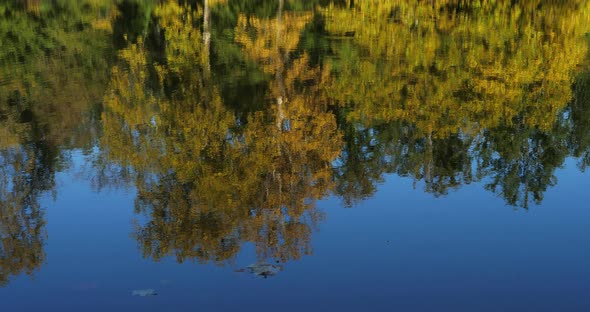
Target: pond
223, 155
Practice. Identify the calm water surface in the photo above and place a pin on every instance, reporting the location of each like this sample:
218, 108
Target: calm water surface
294, 155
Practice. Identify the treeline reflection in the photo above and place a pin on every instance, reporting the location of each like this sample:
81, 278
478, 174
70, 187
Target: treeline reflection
232, 118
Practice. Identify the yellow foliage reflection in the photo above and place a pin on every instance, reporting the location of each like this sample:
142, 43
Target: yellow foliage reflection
455, 66
207, 181
231, 118
424, 90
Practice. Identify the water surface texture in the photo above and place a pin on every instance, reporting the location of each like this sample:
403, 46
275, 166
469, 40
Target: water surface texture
287, 155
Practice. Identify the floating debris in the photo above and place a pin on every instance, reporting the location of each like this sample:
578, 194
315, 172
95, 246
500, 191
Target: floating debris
265, 270
144, 292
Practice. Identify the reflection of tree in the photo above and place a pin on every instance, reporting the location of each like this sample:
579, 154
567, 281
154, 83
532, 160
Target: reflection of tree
416, 89
25, 172
55, 68
520, 161
293, 158
447, 73
434, 78
442, 163
210, 178
206, 180
53, 63
580, 119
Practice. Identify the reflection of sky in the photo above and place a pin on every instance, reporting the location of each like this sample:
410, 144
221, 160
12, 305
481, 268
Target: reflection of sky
400, 249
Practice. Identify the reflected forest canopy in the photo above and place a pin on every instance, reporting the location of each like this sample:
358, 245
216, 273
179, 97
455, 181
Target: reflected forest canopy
232, 118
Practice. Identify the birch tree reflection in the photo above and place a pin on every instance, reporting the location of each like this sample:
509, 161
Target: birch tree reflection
207, 180
431, 95
232, 118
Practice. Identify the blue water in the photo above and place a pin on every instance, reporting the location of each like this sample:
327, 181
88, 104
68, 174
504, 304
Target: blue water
399, 250
375, 155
